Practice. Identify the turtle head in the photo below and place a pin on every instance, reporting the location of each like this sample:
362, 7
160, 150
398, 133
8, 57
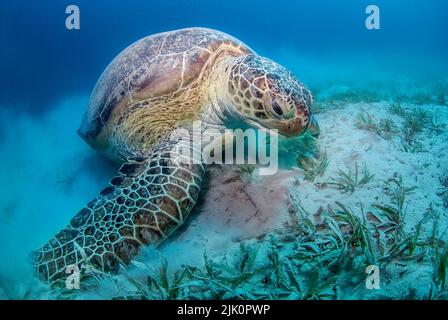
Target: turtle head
267, 95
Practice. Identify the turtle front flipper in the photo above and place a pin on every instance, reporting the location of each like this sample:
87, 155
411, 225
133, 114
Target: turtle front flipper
143, 205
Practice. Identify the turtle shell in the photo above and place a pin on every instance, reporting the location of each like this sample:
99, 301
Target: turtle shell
156, 66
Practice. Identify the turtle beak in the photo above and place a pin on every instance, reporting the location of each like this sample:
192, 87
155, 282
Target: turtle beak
290, 128
287, 128
313, 127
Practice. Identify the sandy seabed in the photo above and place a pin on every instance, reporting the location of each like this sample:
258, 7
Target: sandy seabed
49, 173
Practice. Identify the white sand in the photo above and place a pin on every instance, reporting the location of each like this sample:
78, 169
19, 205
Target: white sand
228, 215
231, 209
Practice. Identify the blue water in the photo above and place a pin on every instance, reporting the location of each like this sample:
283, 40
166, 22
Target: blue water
47, 73
310, 37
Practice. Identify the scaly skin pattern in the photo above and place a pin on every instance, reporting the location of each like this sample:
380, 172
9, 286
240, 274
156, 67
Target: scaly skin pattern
156, 86
269, 94
153, 87
142, 205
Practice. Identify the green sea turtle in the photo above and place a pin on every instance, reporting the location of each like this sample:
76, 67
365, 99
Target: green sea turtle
155, 86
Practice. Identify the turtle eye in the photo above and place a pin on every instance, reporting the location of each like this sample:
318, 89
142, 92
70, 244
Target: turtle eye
277, 108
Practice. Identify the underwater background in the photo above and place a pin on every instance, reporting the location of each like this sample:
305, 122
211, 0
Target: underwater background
375, 183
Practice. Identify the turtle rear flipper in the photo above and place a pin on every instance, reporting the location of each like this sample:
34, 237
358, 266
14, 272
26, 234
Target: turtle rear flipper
142, 205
